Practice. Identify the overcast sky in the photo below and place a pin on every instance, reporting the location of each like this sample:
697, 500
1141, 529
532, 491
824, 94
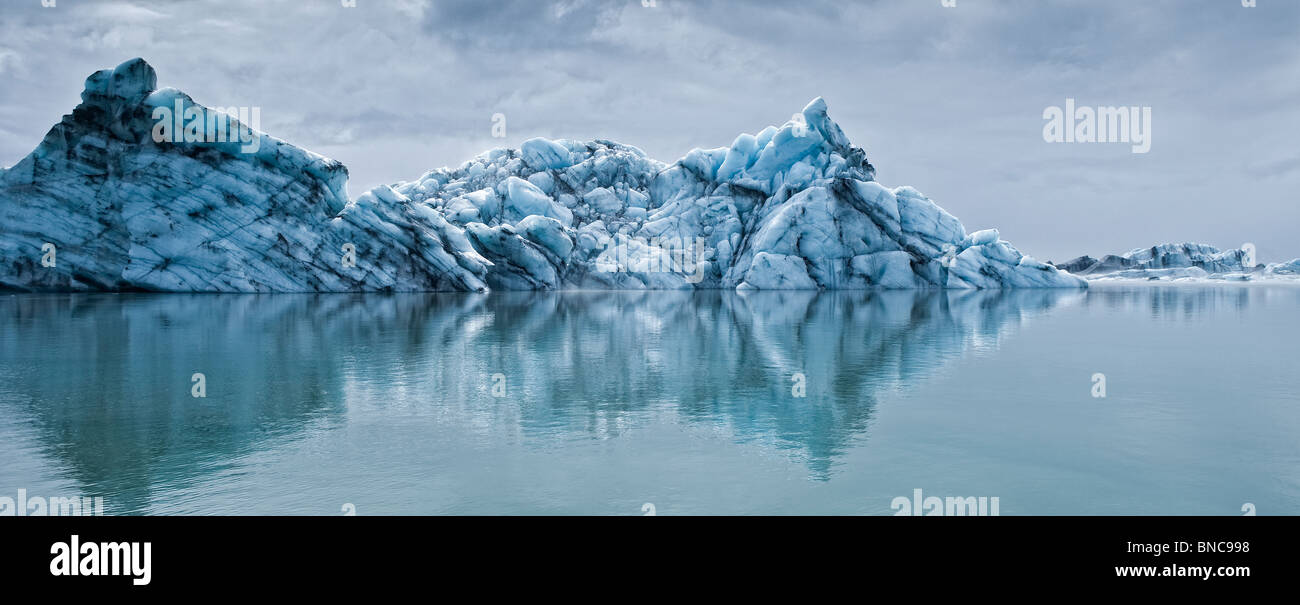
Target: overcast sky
948, 100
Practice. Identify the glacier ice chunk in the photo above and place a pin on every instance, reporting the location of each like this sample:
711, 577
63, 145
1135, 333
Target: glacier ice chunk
543, 154
795, 206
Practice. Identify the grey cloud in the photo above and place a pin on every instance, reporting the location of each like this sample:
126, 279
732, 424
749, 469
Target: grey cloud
946, 100
518, 25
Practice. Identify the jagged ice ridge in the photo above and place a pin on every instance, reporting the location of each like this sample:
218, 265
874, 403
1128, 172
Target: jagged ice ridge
792, 207
1181, 262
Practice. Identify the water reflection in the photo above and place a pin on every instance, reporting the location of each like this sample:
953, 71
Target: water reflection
1181, 302
104, 380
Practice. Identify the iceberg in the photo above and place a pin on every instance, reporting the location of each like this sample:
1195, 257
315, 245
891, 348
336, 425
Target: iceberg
1291, 267
104, 203
1179, 262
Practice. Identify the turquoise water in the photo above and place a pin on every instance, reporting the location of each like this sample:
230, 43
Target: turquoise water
602, 403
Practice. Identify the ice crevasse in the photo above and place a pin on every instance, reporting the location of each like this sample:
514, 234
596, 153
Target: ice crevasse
102, 204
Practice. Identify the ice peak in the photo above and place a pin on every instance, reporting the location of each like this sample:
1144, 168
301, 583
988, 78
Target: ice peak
129, 82
816, 116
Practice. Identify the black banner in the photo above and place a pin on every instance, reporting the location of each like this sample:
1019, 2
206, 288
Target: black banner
173, 555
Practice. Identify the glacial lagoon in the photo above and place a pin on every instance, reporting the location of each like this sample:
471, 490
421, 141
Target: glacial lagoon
625, 403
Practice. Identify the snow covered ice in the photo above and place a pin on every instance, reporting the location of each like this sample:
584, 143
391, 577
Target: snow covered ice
1187, 262
794, 206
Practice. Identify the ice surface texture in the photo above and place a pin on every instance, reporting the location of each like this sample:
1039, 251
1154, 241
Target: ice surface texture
1181, 262
792, 207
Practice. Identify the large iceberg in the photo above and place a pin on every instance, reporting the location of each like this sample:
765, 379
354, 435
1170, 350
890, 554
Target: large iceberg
106, 203
1179, 262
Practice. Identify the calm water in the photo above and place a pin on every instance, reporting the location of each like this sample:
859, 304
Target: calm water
389, 403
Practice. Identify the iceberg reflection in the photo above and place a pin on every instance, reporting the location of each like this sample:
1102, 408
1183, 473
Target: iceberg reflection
103, 381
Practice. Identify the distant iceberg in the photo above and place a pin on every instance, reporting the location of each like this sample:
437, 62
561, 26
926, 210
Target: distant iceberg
105, 203
1179, 262
1289, 268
